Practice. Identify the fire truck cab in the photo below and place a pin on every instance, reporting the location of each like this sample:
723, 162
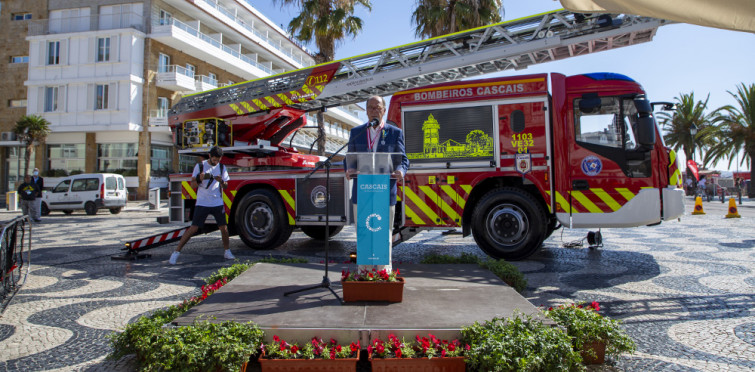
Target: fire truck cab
508, 159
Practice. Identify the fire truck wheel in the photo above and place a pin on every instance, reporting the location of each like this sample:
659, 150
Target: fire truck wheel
318, 232
262, 220
508, 223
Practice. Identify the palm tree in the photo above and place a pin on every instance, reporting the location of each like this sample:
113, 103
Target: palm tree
328, 22
679, 125
31, 129
439, 17
736, 131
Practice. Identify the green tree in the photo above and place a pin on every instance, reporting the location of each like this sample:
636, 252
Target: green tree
31, 129
439, 17
735, 131
678, 126
477, 140
327, 22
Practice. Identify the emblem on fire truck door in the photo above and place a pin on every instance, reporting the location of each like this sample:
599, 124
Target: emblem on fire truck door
523, 163
318, 196
591, 165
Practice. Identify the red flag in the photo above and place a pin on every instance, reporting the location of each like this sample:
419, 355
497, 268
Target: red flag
693, 167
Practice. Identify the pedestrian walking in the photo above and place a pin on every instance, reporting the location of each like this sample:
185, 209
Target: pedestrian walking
28, 191
36, 178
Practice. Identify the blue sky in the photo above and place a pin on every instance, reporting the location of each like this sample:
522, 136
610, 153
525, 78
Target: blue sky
681, 58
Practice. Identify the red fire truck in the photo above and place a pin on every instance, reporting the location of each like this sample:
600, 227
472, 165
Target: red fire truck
504, 159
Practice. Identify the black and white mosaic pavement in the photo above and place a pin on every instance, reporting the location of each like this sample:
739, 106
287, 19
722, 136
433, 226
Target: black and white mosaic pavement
684, 290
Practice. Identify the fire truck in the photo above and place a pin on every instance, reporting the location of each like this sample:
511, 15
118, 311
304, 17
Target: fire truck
505, 159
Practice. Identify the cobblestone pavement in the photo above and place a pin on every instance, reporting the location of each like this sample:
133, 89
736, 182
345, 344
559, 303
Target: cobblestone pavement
684, 290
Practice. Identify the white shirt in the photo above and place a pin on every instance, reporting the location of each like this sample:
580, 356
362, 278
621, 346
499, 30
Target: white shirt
212, 196
374, 136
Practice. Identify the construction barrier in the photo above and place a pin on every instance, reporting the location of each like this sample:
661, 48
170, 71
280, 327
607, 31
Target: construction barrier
698, 206
733, 213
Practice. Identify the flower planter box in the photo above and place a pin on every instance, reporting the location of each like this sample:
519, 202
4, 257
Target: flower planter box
452, 364
373, 291
314, 365
598, 347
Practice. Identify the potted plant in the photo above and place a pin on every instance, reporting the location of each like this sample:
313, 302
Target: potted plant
372, 285
280, 356
592, 334
423, 354
519, 343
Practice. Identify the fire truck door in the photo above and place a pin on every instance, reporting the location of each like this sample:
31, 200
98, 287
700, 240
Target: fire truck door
450, 203
610, 180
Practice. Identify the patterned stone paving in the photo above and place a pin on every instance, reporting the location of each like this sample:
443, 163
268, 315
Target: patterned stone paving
684, 290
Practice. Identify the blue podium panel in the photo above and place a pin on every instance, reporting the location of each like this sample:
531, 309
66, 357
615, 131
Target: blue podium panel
372, 219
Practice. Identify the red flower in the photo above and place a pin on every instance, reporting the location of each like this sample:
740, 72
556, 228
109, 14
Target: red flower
398, 353
354, 347
595, 305
443, 353
332, 354
294, 349
276, 338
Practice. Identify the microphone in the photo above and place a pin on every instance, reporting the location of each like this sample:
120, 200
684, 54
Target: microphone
374, 122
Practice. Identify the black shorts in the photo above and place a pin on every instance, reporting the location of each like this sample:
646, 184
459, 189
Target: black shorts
201, 213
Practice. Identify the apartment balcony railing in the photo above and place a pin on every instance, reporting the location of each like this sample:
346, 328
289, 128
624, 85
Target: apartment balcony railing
269, 41
86, 23
177, 78
205, 83
158, 117
208, 39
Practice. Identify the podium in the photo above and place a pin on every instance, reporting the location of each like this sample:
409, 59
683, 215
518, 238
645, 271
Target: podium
371, 193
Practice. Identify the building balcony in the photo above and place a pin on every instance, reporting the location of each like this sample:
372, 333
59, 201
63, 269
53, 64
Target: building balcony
205, 83
176, 78
158, 118
180, 36
86, 23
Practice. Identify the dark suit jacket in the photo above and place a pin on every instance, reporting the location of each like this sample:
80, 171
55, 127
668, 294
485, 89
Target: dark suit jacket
41, 183
391, 140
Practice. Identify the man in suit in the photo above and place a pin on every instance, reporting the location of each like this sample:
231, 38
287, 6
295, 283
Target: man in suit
377, 135
38, 198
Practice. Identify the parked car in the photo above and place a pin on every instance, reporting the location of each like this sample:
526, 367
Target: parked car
89, 192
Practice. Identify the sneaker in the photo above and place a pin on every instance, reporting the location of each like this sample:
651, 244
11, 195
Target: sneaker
173, 258
228, 255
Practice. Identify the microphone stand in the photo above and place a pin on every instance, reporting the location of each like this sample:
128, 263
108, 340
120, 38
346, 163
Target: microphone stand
325, 279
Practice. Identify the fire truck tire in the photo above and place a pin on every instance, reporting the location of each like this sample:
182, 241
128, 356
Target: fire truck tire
318, 232
508, 223
262, 220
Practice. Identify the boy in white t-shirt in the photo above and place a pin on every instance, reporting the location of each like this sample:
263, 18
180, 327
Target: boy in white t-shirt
209, 179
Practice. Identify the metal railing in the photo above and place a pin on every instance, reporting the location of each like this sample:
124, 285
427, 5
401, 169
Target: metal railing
15, 255
86, 23
177, 69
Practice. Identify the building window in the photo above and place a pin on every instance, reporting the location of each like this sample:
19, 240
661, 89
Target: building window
53, 53
213, 78
190, 70
165, 18
66, 159
161, 160
186, 163
19, 59
20, 16
163, 62
103, 49
117, 157
51, 99
17, 103
163, 106
14, 164
101, 97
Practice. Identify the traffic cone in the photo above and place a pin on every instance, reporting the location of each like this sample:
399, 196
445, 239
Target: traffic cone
733, 213
698, 206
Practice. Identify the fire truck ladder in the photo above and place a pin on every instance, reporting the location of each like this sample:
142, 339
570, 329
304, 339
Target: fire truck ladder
509, 45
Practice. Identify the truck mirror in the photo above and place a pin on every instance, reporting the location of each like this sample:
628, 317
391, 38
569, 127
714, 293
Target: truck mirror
646, 131
590, 103
643, 106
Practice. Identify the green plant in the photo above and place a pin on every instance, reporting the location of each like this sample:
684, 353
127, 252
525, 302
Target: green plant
229, 273
520, 343
315, 349
509, 273
55, 173
422, 347
584, 324
370, 276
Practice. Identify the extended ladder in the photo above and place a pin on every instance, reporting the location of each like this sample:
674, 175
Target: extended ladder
514, 44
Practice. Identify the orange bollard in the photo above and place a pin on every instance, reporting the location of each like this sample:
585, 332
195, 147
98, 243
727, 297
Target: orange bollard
733, 213
698, 206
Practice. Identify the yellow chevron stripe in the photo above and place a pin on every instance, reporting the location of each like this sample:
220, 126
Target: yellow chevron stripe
247, 106
675, 178
237, 109
421, 205
272, 102
672, 158
226, 200
187, 186
288, 199
285, 99
454, 196
560, 200
550, 208
587, 203
259, 104
413, 216
610, 202
447, 209
628, 195
305, 89
467, 188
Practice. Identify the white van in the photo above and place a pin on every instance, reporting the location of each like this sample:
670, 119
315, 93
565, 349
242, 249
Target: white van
89, 192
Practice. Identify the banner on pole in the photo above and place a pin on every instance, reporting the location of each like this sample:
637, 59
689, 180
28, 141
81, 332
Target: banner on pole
373, 231
693, 167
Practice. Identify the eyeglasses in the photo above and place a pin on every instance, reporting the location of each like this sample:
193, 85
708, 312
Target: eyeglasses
374, 107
